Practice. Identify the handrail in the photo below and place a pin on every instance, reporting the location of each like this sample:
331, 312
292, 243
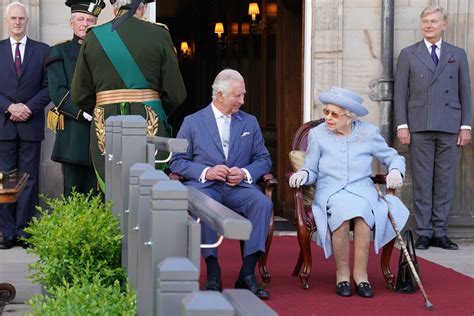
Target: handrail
177, 145
223, 220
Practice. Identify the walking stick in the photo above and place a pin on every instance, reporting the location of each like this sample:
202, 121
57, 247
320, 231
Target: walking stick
407, 255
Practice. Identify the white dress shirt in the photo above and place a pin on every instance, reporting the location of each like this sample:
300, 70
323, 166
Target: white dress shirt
22, 47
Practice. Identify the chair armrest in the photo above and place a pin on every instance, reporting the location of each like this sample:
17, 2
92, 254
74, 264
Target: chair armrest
175, 176
267, 182
381, 178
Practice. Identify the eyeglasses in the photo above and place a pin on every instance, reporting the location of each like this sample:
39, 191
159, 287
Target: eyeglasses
333, 114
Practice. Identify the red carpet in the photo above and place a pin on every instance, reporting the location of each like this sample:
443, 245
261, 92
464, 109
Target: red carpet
450, 292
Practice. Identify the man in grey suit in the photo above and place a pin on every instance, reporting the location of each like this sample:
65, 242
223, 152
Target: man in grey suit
225, 157
433, 114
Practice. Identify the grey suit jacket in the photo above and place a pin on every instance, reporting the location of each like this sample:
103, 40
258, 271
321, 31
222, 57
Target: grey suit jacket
429, 97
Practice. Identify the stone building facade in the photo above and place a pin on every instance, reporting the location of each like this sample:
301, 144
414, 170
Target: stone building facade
343, 47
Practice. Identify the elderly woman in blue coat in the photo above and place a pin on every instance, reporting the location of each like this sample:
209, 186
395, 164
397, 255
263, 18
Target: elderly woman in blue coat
339, 160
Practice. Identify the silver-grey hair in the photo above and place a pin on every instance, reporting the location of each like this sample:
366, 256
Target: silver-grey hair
433, 9
121, 3
73, 15
12, 4
223, 81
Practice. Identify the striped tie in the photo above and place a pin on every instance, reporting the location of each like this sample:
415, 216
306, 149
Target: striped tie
433, 54
18, 59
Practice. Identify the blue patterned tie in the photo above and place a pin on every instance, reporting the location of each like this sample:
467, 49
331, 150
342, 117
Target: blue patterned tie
433, 54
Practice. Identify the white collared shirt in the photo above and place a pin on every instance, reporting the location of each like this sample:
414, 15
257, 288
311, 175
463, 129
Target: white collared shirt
438, 46
22, 47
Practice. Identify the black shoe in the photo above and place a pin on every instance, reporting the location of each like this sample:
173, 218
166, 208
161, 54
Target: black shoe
250, 283
344, 289
444, 242
213, 283
22, 244
422, 243
6, 243
364, 289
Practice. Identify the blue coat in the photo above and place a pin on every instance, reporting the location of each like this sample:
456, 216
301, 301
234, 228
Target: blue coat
336, 162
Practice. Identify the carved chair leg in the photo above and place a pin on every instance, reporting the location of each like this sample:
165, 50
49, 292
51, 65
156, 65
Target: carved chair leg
262, 262
298, 264
385, 264
304, 240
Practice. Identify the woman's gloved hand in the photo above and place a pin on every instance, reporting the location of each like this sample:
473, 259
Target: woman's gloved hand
298, 179
394, 179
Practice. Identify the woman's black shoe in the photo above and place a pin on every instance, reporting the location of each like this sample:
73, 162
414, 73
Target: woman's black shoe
344, 289
364, 289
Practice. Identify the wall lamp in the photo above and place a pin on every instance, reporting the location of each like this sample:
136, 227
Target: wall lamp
256, 28
185, 49
219, 30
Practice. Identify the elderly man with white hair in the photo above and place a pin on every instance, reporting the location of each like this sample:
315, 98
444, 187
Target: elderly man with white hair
23, 97
71, 147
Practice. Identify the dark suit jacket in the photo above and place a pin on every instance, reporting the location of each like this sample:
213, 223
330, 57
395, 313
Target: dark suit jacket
430, 98
31, 88
247, 148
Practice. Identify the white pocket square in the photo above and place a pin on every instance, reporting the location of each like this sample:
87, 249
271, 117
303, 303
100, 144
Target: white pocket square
245, 134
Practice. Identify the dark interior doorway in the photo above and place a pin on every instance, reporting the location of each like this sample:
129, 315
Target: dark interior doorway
267, 52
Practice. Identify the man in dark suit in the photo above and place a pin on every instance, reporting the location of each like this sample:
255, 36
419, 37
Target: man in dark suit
71, 147
433, 114
225, 157
23, 97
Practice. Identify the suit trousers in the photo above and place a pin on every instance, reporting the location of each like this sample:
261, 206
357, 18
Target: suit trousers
251, 203
25, 156
433, 159
80, 177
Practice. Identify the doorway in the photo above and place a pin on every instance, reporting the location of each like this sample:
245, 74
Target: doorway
267, 51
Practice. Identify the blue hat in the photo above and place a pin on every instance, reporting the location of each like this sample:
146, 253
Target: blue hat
345, 99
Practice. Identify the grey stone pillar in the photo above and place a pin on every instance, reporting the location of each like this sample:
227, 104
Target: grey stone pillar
131, 235
177, 277
205, 304
144, 268
168, 226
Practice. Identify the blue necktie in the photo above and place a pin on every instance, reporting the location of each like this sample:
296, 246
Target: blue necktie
433, 54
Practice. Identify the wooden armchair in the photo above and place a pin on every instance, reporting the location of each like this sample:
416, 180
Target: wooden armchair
305, 223
267, 183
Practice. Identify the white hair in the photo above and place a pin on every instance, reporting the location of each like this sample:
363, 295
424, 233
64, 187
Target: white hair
223, 81
12, 4
121, 3
73, 15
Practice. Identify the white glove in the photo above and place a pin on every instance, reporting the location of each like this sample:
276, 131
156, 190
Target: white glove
394, 179
87, 116
298, 179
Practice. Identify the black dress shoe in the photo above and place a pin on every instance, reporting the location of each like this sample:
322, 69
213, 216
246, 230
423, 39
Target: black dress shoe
213, 283
444, 242
250, 282
6, 243
364, 289
344, 289
422, 243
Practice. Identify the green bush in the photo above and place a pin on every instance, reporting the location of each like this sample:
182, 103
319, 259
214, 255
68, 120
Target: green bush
85, 298
79, 236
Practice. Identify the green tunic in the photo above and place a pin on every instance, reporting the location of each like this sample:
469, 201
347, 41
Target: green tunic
71, 146
151, 47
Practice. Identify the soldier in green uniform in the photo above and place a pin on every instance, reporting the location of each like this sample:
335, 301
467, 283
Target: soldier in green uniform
127, 66
71, 147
